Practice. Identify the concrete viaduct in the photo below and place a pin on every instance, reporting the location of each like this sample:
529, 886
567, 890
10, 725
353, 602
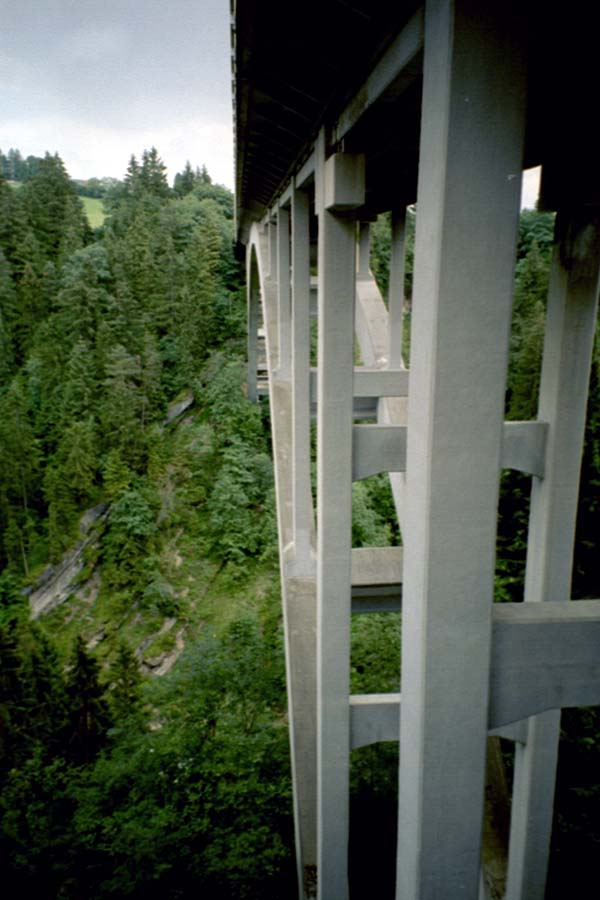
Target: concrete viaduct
343, 111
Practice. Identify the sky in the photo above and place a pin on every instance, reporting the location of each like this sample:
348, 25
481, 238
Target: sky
98, 80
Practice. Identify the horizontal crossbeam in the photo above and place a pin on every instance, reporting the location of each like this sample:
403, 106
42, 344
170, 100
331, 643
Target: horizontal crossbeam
376, 579
369, 382
544, 656
382, 448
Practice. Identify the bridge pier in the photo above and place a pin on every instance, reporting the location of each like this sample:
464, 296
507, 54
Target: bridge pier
447, 116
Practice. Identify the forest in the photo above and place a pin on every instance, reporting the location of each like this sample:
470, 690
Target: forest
143, 738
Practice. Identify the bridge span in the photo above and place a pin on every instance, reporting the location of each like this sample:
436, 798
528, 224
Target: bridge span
351, 111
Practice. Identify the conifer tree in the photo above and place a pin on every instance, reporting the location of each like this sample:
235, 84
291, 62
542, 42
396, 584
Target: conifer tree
8, 320
88, 717
125, 696
52, 207
184, 181
153, 174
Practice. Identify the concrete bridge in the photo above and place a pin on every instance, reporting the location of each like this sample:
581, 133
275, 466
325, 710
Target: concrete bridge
344, 111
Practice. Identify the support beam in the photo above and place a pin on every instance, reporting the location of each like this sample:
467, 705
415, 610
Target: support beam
253, 323
298, 599
396, 286
391, 382
306, 172
372, 383
544, 656
302, 509
382, 448
364, 250
373, 718
524, 447
283, 293
393, 63
377, 448
572, 307
336, 292
271, 268
376, 579
472, 129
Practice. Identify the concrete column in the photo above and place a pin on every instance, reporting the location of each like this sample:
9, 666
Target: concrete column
364, 250
272, 247
253, 320
283, 293
572, 306
336, 294
302, 497
396, 286
470, 162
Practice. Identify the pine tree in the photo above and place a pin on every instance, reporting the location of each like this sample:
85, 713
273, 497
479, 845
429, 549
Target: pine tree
88, 717
79, 383
53, 209
121, 404
132, 176
153, 175
79, 459
8, 320
117, 476
125, 696
61, 511
184, 181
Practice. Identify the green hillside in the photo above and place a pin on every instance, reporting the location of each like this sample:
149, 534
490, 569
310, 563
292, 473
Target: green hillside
94, 211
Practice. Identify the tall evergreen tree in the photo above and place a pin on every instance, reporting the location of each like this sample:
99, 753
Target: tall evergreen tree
153, 174
184, 181
88, 716
52, 207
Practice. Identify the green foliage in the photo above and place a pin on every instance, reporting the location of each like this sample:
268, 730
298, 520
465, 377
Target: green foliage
100, 338
375, 659
203, 802
125, 698
128, 542
381, 238
88, 717
374, 521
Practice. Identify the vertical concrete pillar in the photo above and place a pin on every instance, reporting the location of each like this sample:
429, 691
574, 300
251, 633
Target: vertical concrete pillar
396, 286
272, 248
572, 306
468, 204
338, 187
302, 497
253, 320
283, 293
364, 250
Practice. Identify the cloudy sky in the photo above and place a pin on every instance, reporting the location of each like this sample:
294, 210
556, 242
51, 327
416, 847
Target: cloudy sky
98, 80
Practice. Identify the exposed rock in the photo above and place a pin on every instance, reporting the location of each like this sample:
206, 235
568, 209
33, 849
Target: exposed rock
161, 664
90, 590
91, 516
58, 582
164, 628
177, 408
96, 638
